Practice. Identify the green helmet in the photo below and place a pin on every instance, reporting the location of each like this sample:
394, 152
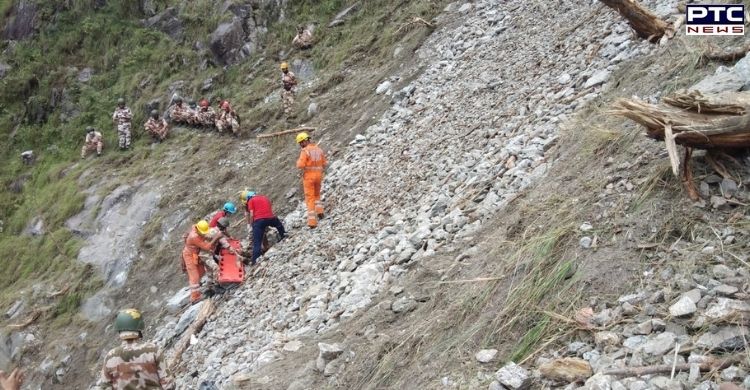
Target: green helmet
154, 113
89, 129
178, 99
129, 320
120, 102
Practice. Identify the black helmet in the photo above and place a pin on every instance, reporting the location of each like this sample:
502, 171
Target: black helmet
89, 129
120, 102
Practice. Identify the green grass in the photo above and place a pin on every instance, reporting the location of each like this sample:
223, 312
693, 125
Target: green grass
140, 64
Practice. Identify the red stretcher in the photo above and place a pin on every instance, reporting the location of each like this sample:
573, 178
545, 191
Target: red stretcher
229, 273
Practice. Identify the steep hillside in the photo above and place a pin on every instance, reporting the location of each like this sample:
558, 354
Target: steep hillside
85, 238
484, 206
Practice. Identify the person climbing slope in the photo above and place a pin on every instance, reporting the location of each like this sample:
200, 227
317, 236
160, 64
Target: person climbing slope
259, 216
311, 162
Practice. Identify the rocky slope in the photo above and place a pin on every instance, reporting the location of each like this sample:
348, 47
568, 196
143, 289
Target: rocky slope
426, 193
463, 138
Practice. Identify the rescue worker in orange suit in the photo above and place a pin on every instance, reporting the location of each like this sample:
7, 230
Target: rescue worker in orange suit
311, 161
196, 240
259, 216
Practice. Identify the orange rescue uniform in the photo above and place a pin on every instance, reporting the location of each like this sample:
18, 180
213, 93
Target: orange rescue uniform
311, 161
194, 242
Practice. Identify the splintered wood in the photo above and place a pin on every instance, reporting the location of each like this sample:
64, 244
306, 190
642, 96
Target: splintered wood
647, 25
713, 122
705, 122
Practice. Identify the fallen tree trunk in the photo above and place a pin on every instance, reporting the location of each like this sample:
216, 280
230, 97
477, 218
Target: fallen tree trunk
714, 123
647, 25
195, 327
720, 121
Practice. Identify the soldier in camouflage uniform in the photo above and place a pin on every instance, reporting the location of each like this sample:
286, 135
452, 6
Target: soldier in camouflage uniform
93, 141
122, 117
181, 113
136, 364
206, 114
303, 40
227, 119
289, 82
157, 127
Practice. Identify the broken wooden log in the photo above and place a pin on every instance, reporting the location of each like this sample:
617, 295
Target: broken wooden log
728, 55
195, 327
690, 119
285, 132
704, 122
646, 25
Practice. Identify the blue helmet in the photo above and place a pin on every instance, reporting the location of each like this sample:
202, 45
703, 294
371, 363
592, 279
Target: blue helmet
230, 208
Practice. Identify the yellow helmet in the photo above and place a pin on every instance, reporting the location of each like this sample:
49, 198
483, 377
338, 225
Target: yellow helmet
202, 227
302, 137
245, 195
284, 66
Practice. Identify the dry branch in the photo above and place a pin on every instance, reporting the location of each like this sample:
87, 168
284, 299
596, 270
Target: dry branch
647, 25
62, 291
197, 325
710, 365
285, 132
475, 280
33, 317
408, 26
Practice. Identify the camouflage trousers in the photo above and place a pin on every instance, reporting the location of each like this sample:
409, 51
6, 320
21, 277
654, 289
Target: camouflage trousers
87, 147
287, 101
123, 135
228, 124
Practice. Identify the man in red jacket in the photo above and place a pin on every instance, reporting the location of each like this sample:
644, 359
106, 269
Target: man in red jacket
259, 215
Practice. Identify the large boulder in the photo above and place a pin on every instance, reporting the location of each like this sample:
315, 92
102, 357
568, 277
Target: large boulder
167, 22
227, 42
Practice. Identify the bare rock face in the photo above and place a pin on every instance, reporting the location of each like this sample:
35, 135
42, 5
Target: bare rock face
227, 41
167, 22
22, 22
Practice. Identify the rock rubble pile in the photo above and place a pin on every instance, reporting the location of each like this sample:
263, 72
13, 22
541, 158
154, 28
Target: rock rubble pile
693, 323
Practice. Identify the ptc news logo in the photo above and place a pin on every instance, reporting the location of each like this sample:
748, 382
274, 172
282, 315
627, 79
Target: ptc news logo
715, 19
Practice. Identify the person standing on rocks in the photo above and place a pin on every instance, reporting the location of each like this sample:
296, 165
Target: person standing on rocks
136, 364
93, 141
157, 127
311, 161
289, 84
196, 240
259, 216
122, 117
